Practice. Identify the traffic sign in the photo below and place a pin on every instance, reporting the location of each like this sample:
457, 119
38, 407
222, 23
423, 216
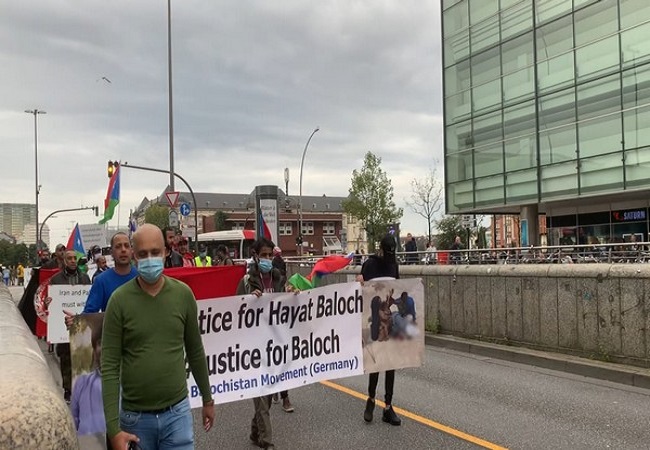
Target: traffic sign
173, 219
172, 198
185, 209
468, 221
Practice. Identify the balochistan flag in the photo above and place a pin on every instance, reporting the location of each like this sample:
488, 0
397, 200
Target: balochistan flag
328, 264
75, 243
112, 195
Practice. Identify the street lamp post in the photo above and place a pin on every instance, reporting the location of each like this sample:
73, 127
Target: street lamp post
36, 112
302, 162
171, 104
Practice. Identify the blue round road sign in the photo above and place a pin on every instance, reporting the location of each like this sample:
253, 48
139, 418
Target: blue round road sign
185, 209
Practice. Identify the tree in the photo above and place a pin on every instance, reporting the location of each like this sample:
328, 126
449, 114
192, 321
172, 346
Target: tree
448, 228
157, 215
426, 199
220, 218
371, 199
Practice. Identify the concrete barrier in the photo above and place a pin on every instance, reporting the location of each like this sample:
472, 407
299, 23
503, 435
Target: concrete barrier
595, 310
33, 414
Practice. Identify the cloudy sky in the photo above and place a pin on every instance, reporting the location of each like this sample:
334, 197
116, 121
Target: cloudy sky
251, 80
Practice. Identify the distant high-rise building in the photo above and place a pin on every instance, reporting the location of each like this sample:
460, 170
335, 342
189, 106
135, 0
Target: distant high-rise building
28, 235
14, 217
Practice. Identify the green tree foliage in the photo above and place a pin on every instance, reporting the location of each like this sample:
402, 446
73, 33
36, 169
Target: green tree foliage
448, 228
220, 218
371, 199
157, 215
12, 254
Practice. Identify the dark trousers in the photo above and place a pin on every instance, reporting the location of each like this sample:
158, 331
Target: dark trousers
65, 363
389, 381
261, 424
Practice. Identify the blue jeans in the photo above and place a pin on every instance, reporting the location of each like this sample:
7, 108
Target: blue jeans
170, 430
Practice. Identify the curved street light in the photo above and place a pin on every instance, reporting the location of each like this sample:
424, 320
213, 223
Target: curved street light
302, 162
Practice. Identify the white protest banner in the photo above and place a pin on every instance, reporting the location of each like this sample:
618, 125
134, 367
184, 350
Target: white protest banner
392, 324
68, 298
258, 346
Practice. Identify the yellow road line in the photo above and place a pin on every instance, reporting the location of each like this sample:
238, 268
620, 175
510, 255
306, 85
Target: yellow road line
423, 420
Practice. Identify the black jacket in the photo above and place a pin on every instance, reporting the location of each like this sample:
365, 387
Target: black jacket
376, 267
174, 259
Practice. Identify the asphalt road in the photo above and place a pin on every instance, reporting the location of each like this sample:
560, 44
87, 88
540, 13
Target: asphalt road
454, 401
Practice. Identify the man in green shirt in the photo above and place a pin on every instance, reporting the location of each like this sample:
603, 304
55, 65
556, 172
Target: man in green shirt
150, 324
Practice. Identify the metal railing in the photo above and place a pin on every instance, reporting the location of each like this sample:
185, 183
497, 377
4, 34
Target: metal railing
624, 253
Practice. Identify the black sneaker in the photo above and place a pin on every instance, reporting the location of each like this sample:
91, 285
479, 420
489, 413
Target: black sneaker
370, 407
390, 417
66, 396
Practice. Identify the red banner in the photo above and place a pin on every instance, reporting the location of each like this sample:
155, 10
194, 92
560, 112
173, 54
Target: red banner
205, 282
209, 282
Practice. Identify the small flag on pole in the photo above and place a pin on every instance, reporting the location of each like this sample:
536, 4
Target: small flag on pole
112, 195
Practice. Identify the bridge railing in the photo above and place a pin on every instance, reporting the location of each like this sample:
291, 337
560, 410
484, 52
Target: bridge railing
629, 252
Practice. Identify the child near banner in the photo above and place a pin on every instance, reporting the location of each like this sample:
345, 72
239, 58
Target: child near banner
383, 265
262, 277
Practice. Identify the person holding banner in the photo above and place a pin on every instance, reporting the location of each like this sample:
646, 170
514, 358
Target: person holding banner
383, 265
149, 327
262, 277
69, 275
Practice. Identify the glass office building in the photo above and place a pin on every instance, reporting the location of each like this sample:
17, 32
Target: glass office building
547, 110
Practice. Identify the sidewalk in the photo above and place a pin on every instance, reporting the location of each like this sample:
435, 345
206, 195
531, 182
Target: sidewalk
617, 373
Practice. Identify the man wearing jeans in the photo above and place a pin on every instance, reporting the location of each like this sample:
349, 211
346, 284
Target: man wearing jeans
150, 324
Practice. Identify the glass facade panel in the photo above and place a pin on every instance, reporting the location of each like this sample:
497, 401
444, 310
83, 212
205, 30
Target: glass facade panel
456, 48
482, 9
554, 38
487, 96
637, 127
460, 195
597, 59
487, 129
455, 19
635, 45
458, 137
484, 34
600, 135
457, 78
517, 53
595, 21
459, 167
546, 10
486, 66
557, 135
521, 186
489, 191
558, 144
600, 126
488, 160
519, 85
520, 153
634, 12
636, 103
517, 18
637, 167
601, 173
458, 107
559, 180
519, 130
555, 73
519, 120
